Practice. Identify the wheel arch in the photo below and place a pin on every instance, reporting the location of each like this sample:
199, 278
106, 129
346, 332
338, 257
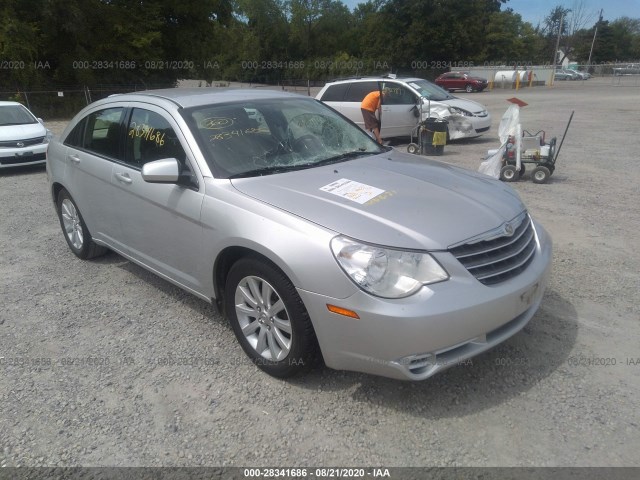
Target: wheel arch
222, 266
225, 260
56, 188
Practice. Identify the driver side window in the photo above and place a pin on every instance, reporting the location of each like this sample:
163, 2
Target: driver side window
149, 138
399, 95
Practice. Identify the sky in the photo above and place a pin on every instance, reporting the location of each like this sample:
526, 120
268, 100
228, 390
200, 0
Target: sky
534, 11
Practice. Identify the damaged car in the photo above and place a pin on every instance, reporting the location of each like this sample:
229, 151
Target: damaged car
314, 241
407, 101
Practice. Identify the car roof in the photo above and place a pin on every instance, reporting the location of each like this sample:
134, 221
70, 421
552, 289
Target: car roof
191, 97
381, 78
6, 103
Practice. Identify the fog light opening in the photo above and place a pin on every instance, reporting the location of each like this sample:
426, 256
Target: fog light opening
419, 364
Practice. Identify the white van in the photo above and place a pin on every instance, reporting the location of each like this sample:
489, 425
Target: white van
401, 107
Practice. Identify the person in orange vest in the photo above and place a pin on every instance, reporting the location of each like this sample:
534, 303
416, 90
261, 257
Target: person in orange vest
371, 104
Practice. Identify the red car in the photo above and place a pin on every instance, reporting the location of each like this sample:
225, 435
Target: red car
461, 81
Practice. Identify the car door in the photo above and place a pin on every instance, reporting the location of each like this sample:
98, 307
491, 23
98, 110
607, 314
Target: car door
160, 223
451, 81
92, 147
350, 107
399, 110
460, 81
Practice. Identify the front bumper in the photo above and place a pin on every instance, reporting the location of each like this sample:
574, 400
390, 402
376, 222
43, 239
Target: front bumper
442, 325
18, 157
468, 127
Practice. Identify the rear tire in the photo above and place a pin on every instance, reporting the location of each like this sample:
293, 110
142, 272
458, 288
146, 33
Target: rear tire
75, 230
540, 175
269, 319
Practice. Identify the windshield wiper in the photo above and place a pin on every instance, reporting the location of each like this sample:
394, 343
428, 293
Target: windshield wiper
345, 156
301, 166
258, 172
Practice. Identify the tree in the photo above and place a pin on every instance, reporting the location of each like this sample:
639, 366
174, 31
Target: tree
317, 27
626, 36
19, 47
509, 39
566, 22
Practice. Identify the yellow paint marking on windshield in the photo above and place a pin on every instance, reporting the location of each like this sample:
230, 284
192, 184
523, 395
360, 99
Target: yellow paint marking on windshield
237, 133
216, 123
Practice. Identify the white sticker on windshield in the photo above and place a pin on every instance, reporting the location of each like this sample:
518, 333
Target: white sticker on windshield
358, 192
417, 87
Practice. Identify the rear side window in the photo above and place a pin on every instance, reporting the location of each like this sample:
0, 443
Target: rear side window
335, 93
75, 137
102, 134
99, 132
358, 90
150, 137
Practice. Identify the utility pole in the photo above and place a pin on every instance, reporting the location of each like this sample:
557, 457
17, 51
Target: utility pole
593, 42
555, 52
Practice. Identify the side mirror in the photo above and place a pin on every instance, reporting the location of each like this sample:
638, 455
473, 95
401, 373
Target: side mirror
166, 170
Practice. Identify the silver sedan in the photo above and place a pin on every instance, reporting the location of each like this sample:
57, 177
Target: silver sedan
317, 243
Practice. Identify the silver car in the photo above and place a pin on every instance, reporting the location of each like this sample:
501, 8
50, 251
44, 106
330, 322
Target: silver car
23, 137
315, 242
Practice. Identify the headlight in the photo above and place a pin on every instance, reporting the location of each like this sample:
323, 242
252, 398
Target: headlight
459, 111
386, 272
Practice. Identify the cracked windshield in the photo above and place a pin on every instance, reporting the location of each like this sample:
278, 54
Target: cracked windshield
267, 137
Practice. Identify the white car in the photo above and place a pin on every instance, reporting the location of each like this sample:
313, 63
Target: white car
23, 137
401, 107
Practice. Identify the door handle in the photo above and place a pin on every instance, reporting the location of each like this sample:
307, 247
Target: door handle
123, 177
74, 158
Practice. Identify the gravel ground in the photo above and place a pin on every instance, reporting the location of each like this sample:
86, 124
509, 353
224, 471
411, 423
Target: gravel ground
104, 364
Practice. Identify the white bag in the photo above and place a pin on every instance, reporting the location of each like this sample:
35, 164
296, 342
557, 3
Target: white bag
509, 126
493, 163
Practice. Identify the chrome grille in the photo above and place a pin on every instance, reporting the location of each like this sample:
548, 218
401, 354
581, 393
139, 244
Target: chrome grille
498, 256
21, 143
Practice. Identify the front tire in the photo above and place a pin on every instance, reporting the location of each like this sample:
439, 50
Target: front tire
508, 173
468, 88
75, 230
269, 319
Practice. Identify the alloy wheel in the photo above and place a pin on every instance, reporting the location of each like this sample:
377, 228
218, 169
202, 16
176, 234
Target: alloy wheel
263, 318
72, 223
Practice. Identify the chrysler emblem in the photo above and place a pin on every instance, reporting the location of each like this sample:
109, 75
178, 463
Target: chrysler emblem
19, 144
508, 229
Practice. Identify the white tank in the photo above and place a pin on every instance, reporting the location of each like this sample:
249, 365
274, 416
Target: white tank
506, 76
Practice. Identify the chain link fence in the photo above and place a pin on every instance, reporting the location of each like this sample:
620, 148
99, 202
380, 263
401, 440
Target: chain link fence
66, 101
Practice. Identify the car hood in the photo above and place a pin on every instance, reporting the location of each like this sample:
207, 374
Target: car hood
22, 132
419, 204
468, 105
